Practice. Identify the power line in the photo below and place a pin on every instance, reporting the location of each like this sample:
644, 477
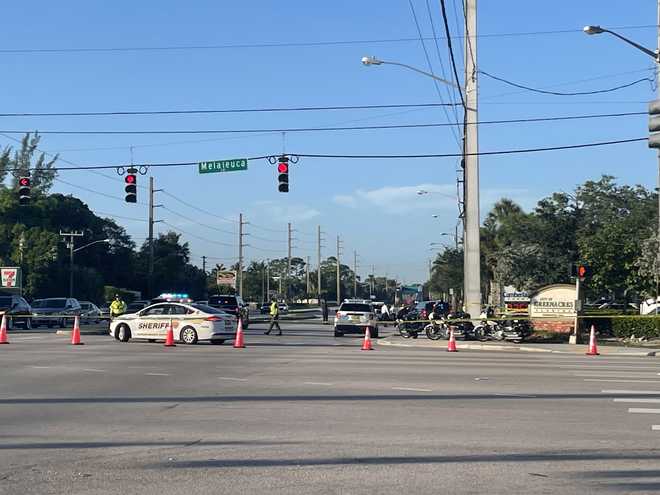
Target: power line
211, 227
181, 231
223, 110
559, 93
336, 129
428, 62
189, 205
290, 44
451, 52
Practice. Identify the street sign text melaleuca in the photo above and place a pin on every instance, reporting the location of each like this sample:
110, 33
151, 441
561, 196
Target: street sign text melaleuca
223, 166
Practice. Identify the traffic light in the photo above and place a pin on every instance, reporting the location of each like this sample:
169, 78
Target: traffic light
23, 190
581, 271
654, 124
283, 173
131, 185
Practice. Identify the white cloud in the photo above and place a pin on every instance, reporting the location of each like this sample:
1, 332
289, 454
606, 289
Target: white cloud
345, 200
291, 212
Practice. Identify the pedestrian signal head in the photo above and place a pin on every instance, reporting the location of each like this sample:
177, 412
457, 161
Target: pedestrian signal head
23, 190
131, 185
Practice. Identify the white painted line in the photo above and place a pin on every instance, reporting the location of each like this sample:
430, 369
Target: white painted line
515, 395
655, 427
157, 374
25, 338
319, 383
41, 367
639, 401
615, 374
643, 410
410, 389
633, 392
233, 379
619, 381
93, 370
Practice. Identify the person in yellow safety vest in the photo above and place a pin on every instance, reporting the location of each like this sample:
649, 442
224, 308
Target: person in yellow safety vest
117, 307
274, 317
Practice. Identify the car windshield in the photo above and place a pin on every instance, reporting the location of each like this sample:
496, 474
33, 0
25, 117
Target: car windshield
223, 300
207, 309
49, 303
5, 302
364, 308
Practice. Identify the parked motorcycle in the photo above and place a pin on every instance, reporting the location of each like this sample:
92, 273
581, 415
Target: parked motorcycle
516, 330
462, 329
408, 322
489, 330
437, 327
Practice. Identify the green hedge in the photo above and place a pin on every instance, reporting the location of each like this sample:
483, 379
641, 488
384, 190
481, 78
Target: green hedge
638, 326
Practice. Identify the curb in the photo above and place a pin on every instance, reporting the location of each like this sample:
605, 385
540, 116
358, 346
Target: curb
484, 347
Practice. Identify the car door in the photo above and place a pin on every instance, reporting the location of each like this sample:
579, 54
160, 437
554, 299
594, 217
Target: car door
152, 322
177, 313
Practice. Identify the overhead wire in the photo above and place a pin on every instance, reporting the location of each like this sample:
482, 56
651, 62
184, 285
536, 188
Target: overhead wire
289, 44
210, 227
569, 93
430, 65
335, 129
451, 52
180, 230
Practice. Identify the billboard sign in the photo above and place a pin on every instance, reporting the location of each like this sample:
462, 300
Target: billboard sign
10, 277
226, 278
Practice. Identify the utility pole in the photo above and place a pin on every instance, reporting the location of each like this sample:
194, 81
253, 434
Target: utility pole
309, 289
338, 272
69, 244
472, 269
240, 253
288, 261
355, 267
372, 282
204, 264
150, 273
318, 259
267, 280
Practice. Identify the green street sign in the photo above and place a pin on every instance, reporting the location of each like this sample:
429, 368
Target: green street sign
223, 166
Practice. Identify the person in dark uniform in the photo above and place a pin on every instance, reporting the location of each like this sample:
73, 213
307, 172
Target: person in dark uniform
324, 310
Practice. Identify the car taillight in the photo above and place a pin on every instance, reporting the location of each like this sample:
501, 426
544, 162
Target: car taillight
424, 314
337, 315
213, 318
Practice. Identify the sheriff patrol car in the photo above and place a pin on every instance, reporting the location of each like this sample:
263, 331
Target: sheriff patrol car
190, 322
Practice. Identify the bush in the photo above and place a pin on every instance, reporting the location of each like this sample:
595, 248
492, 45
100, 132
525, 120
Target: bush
639, 326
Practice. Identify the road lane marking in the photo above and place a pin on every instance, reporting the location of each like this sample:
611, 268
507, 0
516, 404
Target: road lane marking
639, 401
633, 392
655, 427
611, 380
232, 379
41, 367
410, 389
25, 338
319, 383
616, 374
643, 410
515, 395
157, 374
93, 370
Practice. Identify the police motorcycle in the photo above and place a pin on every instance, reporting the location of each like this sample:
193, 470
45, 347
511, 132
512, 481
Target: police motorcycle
437, 327
488, 329
459, 322
516, 329
407, 320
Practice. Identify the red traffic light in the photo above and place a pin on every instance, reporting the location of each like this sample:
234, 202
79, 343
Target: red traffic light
582, 271
130, 179
282, 168
24, 182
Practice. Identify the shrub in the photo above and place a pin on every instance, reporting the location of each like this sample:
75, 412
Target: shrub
639, 326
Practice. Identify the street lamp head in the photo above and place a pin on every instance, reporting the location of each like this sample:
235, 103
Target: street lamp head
434, 215
593, 29
422, 192
371, 61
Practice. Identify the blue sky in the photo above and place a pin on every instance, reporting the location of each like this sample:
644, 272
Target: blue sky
372, 204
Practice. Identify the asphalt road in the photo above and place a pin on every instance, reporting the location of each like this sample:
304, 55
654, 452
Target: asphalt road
307, 413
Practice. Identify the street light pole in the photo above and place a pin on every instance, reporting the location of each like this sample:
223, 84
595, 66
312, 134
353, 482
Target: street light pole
656, 56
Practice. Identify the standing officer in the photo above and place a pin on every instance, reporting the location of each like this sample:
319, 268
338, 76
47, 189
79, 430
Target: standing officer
274, 317
324, 310
117, 307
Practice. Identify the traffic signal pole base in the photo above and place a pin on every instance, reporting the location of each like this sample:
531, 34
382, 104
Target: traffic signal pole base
572, 339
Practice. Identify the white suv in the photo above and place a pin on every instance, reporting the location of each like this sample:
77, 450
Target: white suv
355, 317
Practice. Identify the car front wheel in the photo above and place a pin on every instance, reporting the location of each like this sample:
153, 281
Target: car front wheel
27, 324
123, 333
188, 335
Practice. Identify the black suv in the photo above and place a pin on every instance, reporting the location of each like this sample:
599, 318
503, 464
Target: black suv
13, 305
234, 305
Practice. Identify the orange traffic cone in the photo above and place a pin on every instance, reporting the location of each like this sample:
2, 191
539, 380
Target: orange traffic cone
238, 341
451, 345
3, 331
75, 335
366, 344
593, 348
169, 340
